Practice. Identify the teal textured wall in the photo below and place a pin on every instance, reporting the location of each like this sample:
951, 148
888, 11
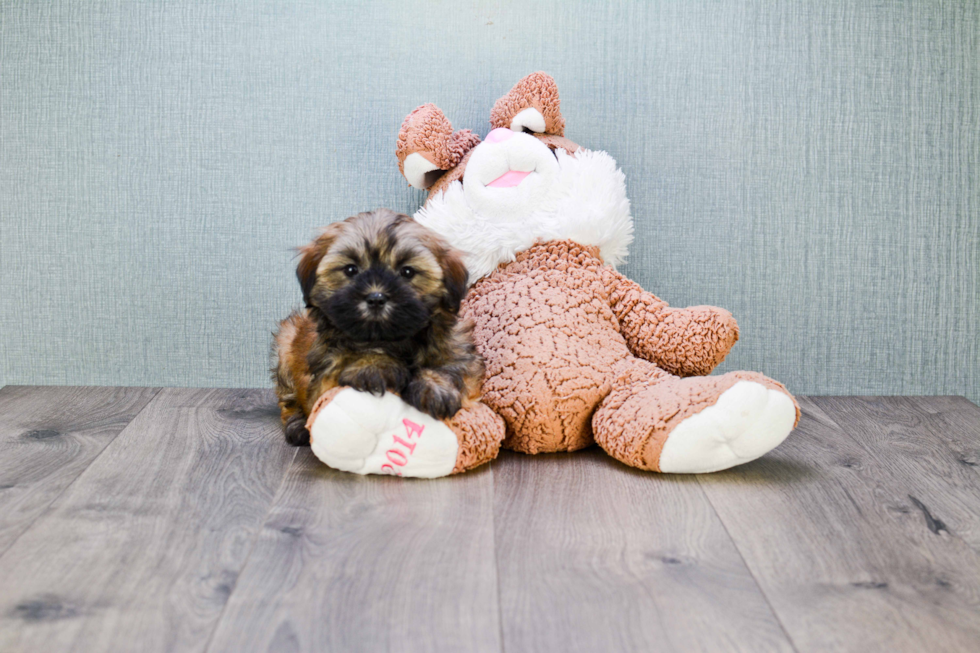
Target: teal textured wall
812, 166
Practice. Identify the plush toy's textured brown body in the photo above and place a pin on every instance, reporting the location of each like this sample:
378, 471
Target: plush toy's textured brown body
576, 353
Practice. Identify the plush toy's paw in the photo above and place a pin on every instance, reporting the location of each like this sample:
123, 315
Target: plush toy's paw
747, 421
366, 434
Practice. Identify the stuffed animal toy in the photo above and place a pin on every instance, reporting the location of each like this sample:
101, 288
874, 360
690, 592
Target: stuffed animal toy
576, 354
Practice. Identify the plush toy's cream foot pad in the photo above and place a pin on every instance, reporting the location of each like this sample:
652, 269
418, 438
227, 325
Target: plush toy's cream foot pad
366, 434
747, 421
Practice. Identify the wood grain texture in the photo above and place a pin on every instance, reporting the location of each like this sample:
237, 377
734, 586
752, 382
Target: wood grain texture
593, 556
194, 528
847, 554
48, 436
956, 421
930, 444
143, 550
351, 563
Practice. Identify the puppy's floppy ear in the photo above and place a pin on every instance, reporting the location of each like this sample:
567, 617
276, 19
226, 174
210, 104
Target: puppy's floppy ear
455, 279
311, 255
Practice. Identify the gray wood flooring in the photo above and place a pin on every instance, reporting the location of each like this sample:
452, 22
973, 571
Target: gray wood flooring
139, 519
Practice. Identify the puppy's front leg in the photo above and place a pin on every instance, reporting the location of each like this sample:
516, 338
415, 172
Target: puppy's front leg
296, 433
374, 374
437, 392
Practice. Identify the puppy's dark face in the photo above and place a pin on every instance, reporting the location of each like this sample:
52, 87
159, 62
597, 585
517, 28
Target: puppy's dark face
381, 277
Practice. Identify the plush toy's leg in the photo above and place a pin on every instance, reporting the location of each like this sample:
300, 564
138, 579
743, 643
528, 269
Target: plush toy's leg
654, 420
362, 433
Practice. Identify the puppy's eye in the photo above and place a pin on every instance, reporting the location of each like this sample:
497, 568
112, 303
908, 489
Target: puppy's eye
407, 272
350, 270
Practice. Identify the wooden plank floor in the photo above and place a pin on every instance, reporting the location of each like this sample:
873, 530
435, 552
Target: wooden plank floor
177, 520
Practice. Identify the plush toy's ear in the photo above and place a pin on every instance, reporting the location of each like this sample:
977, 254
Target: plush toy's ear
311, 255
531, 106
427, 146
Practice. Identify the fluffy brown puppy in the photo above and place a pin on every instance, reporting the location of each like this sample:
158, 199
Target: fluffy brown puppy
382, 294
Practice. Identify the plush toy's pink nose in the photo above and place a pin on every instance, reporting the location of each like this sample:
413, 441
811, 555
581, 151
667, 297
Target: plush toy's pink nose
499, 135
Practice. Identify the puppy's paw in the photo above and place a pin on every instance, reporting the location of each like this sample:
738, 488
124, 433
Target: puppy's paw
375, 380
433, 394
296, 433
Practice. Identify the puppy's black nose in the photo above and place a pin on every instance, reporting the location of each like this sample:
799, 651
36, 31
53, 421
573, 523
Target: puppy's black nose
376, 299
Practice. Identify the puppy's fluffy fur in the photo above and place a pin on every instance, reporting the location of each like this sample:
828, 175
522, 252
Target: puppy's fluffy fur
382, 295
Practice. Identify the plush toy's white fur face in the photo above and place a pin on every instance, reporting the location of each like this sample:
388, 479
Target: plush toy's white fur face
517, 192
509, 175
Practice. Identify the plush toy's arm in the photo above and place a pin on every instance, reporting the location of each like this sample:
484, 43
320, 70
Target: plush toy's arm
684, 341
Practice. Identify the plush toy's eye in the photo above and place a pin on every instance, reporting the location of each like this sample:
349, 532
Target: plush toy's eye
528, 121
407, 272
350, 270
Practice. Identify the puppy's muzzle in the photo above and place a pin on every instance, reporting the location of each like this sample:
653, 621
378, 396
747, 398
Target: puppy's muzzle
377, 304
376, 300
